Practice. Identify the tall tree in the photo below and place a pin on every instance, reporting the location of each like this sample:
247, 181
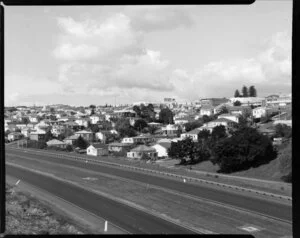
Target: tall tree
237, 94
246, 148
140, 124
252, 91
245, 91
218, 132
81, 143
166, 116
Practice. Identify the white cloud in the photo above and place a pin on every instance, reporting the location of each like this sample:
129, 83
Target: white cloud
269, 70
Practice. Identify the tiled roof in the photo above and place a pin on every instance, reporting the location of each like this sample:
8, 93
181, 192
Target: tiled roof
55, 142
143, 148
99, 146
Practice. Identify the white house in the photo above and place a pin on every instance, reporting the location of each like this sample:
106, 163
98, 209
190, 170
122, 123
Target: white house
82, 122
170, 130
232, 117
97, 150
218, 122
138, 139
102, 135
142, 150
94, 119
57, 130
193, 134
56, 143
14, 136
206, 110
162, 149
87, 135
26, 131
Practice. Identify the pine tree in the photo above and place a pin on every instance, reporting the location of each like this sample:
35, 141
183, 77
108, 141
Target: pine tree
252, 91
237, 94
245, 91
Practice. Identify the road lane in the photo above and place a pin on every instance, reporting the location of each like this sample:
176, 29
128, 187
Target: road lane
131, 219
264, 206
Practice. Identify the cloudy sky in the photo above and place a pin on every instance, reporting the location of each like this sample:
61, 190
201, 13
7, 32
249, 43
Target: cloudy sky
105, 54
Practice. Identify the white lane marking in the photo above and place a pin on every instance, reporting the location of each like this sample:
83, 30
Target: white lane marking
105, 226
184, 180
89, 178
250, 228
18, 182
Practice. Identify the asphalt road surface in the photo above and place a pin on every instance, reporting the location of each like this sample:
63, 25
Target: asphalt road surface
130, 219
242, 200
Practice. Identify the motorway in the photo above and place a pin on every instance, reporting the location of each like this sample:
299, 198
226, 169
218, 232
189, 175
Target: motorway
128, 218
266, 207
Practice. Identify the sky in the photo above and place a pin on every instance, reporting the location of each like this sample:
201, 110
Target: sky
83, 55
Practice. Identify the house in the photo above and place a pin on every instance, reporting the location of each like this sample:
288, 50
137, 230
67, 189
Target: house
279, 100
248, 101
57, 130
70, 140
212, 102
162, 149
218, 122
170, 130
181, 121
141, 151
260, 112
71, 125
94, 119
207, 110
193, 134
120, 149
102, 135
228, 116
33, 118
97, 150
138, 139
12, 127
37, 135
14, 136
56, 143
87, 135
239, 110
82, 122
26, 131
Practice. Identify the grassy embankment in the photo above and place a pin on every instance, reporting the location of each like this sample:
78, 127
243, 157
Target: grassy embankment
26, 215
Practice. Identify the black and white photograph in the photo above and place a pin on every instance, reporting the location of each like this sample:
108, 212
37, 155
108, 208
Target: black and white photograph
149, 119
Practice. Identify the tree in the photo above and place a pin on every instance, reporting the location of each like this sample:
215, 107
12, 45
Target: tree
52, 117
52, 110
218, 132
206, 118
237, 103
203, 135
140, 124
68, 132
92, 106
223, 110
25, 120
166, 116
252, 91
61, 137
69, 148
92, 112
245, 91
282, 130
152, 130
94, 128
137, 110
124, 128
237, 94
246, 148
81, 143
285, 160
48, 136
